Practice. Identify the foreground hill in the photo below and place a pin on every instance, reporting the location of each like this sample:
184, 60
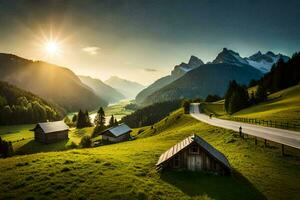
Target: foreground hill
127, 170
204, 80
56, 84
19, 107
128, 88
108, 93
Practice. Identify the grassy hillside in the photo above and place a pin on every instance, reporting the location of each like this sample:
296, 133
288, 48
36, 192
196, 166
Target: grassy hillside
283, 106
23, 139
127, 170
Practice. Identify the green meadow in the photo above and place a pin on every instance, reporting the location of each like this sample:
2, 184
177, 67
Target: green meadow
127, 170
282, 106
23, 139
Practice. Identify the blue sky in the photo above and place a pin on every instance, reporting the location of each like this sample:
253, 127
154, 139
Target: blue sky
143, 40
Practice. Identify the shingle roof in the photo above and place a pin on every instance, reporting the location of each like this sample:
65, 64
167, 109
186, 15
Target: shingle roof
119, 130
186, 142
49, 127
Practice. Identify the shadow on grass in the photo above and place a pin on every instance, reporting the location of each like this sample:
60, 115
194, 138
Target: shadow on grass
214, 186
33, 146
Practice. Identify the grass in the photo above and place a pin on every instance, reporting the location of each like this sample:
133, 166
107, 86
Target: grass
127, 170
282, 106
23, 139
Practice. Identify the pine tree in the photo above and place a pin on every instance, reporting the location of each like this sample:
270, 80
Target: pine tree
74, 118
99, 121
112, 121
87, 120
261, 94
80, 119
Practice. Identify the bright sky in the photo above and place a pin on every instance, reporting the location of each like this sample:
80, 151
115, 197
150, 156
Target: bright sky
144, 40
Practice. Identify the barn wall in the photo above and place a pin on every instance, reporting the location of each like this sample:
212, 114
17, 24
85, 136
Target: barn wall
124, 137
207, 163
56, 136
39, 135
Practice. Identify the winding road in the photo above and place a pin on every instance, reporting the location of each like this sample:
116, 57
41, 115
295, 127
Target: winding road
281, 136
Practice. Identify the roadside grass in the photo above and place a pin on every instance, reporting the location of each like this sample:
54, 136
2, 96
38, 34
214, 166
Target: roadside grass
127, 170
282, 106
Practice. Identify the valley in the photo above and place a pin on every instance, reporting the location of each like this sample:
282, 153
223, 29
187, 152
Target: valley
149, 100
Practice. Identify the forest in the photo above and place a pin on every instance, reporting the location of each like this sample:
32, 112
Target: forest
18, 107
151, 114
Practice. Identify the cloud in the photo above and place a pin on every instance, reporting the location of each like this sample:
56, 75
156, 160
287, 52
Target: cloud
150, 70
93, 50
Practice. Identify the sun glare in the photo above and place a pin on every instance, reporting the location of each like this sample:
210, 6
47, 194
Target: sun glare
52, 48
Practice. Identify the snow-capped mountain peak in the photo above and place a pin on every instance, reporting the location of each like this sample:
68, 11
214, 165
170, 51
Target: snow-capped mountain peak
183, 68
231, 57
260, 61
264, 62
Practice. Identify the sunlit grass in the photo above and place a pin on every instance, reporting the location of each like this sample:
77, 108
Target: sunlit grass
127, 170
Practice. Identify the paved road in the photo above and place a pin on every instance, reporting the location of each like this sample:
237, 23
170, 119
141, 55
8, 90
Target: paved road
286, 137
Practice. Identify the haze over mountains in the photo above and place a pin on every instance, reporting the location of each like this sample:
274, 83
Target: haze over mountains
196, 79
128, 88
101, 89
55, 84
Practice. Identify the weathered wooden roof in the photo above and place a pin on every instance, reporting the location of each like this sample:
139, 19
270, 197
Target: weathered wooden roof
50, 127
119, 130
186, 142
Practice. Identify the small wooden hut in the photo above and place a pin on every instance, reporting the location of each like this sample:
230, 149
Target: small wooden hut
118, 133
194, 154
50, 132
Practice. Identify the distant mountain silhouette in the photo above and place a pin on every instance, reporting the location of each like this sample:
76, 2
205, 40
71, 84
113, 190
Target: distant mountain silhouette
51, 82
108, 93
178, 71
204, 80
128, 88
228, 65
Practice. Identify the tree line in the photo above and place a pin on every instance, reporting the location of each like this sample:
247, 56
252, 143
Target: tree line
282, 75
83, 120
151, 114
18, 107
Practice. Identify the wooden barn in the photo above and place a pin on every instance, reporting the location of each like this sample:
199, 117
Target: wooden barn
194, 154
50, 132
117, 134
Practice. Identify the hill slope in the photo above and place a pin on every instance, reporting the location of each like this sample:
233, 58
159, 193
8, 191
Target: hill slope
127, 170
51, 82
204, 80
18, 107
128, 88
108, 93
282, 106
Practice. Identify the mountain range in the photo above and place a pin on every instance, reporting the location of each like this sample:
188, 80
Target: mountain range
101, 89
56, 84
196, 79
128, 88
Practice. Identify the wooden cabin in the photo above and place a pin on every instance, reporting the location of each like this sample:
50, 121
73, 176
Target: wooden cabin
194, 154
118, 133
50, 132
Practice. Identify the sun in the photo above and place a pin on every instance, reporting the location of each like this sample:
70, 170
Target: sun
52, 48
